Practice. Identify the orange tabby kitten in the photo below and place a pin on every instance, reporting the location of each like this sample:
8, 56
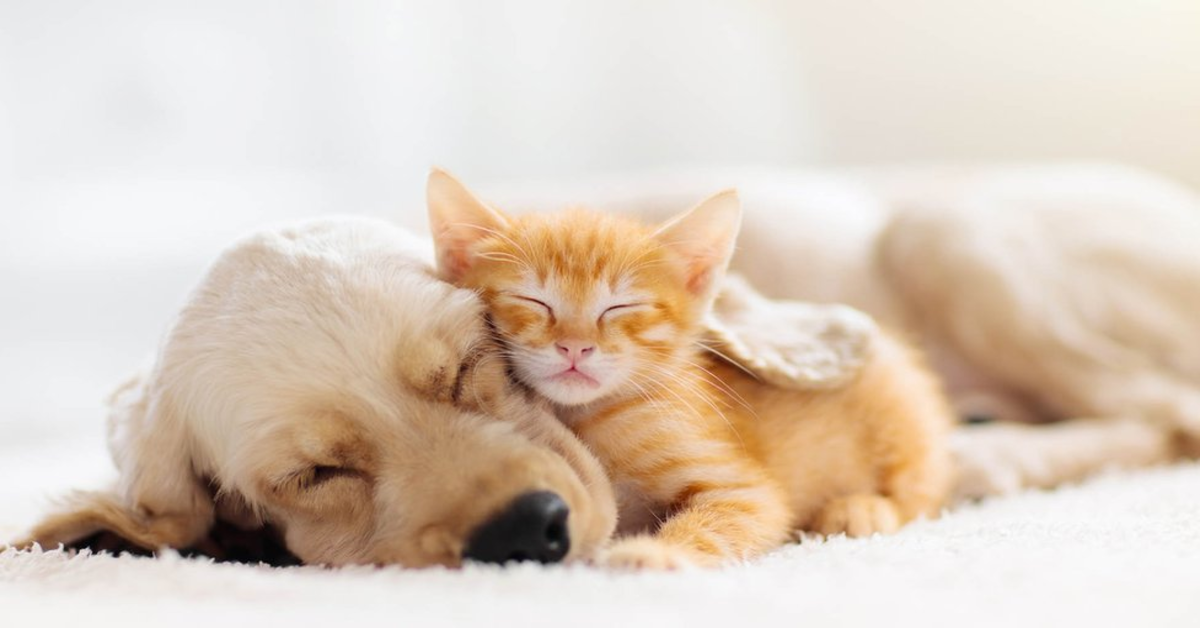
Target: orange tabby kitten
602, 316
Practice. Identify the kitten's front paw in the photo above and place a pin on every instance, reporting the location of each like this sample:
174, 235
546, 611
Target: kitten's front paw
858, 516
645, 553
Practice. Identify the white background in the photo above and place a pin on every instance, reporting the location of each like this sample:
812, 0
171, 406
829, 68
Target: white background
137, 137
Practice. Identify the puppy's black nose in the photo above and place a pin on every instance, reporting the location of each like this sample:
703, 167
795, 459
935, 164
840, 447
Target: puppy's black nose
533, 527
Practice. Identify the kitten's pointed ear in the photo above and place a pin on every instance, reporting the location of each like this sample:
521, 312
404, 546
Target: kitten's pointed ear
704, 237
458, 220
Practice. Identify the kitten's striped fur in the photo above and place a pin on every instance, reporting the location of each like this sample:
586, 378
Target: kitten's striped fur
603, 315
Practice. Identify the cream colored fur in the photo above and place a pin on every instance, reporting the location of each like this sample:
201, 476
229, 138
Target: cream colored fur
789, 344
321, 380
1055, 293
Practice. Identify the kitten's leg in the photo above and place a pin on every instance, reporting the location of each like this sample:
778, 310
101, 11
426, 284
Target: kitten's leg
713, 526
722, 505
910, 491
913, 485
904, 423
648, 553
858, 515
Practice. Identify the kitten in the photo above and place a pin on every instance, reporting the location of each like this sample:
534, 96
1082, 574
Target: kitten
603, 316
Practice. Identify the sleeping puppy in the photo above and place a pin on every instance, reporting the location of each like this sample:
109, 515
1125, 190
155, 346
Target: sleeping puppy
321, 382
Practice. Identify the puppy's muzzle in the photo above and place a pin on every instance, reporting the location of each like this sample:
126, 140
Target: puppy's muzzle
532, 527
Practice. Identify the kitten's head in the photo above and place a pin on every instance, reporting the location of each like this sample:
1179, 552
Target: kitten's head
588, 304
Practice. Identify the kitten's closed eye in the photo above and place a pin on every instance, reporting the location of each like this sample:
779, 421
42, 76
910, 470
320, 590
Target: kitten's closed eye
623, 308
533, 301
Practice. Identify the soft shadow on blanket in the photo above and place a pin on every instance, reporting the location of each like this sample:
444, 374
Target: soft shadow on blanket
226, 543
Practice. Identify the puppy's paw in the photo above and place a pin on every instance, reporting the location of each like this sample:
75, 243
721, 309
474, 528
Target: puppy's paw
858, 516
791, 344
985, 477
642, 553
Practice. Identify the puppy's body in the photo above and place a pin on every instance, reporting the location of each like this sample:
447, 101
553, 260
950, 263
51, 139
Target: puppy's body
1041, 294
322, 381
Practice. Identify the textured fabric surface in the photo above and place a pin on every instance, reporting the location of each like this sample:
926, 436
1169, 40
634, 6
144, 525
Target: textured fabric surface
1122, 550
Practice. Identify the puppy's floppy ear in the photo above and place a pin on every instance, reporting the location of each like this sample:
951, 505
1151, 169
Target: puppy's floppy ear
704, 238
103, 521
790, 344
160, 501
458, 220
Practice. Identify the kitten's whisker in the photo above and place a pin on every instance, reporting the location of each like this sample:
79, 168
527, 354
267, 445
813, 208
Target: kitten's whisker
690, 387
658, 386
716, 381
630, 266
729, 359
496, 234
645, 396
696, 391
501, 257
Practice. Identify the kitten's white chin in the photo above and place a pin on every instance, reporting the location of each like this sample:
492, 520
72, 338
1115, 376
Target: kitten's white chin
566, 385
570, 391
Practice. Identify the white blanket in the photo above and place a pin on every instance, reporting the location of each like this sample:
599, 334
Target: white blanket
1123, 550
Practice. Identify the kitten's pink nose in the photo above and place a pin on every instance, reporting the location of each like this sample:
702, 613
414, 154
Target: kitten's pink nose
574, 350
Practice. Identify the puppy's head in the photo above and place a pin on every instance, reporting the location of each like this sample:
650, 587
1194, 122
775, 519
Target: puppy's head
325, 385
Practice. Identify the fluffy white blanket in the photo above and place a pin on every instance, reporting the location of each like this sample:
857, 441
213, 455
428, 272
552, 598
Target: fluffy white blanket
1122, 550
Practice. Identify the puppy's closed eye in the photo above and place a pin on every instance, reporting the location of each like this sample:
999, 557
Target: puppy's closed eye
317, 476
324, 473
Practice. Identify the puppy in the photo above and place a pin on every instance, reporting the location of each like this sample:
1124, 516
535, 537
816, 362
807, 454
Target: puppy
321, 381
